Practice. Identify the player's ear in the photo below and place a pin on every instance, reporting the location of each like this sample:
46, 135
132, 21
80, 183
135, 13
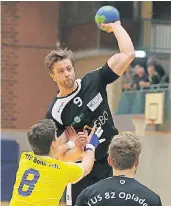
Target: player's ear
109, 161
53, 144
53, 149
137, 162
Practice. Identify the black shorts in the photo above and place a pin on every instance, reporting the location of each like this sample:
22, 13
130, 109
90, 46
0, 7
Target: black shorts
100, 170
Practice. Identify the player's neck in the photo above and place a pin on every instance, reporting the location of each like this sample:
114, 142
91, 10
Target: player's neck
63, 92
127, 173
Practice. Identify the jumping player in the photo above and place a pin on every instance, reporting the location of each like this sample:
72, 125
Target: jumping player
84, 101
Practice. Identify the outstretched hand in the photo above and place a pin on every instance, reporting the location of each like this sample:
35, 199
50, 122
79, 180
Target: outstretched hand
80, 139
71, 133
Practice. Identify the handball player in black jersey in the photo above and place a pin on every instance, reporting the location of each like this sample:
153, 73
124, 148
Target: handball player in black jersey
121, 189
83, 102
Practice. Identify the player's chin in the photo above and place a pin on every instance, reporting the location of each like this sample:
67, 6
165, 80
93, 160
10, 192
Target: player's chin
69, 83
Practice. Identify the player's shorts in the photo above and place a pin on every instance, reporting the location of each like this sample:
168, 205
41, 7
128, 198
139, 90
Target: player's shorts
101, 170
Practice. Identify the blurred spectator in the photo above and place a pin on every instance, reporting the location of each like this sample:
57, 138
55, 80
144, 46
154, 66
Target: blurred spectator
165, 79
139, 78
152, 60
153, 77
127, 78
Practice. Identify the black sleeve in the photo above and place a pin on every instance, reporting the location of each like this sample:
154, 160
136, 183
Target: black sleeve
81, 199
49, 112
48, 115
106, 75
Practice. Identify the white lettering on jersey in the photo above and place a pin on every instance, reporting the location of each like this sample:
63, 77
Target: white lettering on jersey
94, 200
61, 103
95, 102
101, 119
113, 195
78, 101
109, 195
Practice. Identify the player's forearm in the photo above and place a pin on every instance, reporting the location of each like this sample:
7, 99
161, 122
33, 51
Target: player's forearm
124, 41
89, 157
62, 150
66, 154
88, 161
119, 62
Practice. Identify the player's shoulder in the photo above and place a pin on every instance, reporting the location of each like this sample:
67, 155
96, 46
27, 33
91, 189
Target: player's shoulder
92, 75
72, 165
70, 168
49, 109
147, 190
50, 106
137, 186
98, 185
25, 155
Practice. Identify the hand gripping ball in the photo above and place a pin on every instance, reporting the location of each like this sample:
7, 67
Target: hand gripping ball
106, 14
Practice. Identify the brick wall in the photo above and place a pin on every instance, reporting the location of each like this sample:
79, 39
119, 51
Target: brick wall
29, 31
9, 63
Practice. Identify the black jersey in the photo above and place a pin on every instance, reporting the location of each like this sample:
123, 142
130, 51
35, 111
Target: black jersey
87, 105
118, 191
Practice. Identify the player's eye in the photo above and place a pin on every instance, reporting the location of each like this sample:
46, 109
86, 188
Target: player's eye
61, 71
69, 68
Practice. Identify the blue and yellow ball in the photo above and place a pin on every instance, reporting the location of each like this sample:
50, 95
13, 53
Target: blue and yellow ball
106, 14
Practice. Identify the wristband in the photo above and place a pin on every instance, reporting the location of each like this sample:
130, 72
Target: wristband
94, 140
90, 147
71, 144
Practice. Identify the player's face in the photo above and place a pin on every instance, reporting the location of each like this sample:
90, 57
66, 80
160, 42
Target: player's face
140, 71
63, 73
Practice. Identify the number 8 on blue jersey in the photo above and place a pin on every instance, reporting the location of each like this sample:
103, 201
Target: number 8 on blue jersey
30, 183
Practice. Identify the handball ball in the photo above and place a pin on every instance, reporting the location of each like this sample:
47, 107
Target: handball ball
106, 14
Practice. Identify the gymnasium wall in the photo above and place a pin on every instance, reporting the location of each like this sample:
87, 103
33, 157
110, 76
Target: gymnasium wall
29, 32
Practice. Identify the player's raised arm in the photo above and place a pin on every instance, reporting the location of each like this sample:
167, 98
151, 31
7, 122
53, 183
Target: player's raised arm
119, 62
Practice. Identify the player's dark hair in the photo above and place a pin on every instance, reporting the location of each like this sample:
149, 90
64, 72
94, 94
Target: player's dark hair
124, 150
41, 135
58, 55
